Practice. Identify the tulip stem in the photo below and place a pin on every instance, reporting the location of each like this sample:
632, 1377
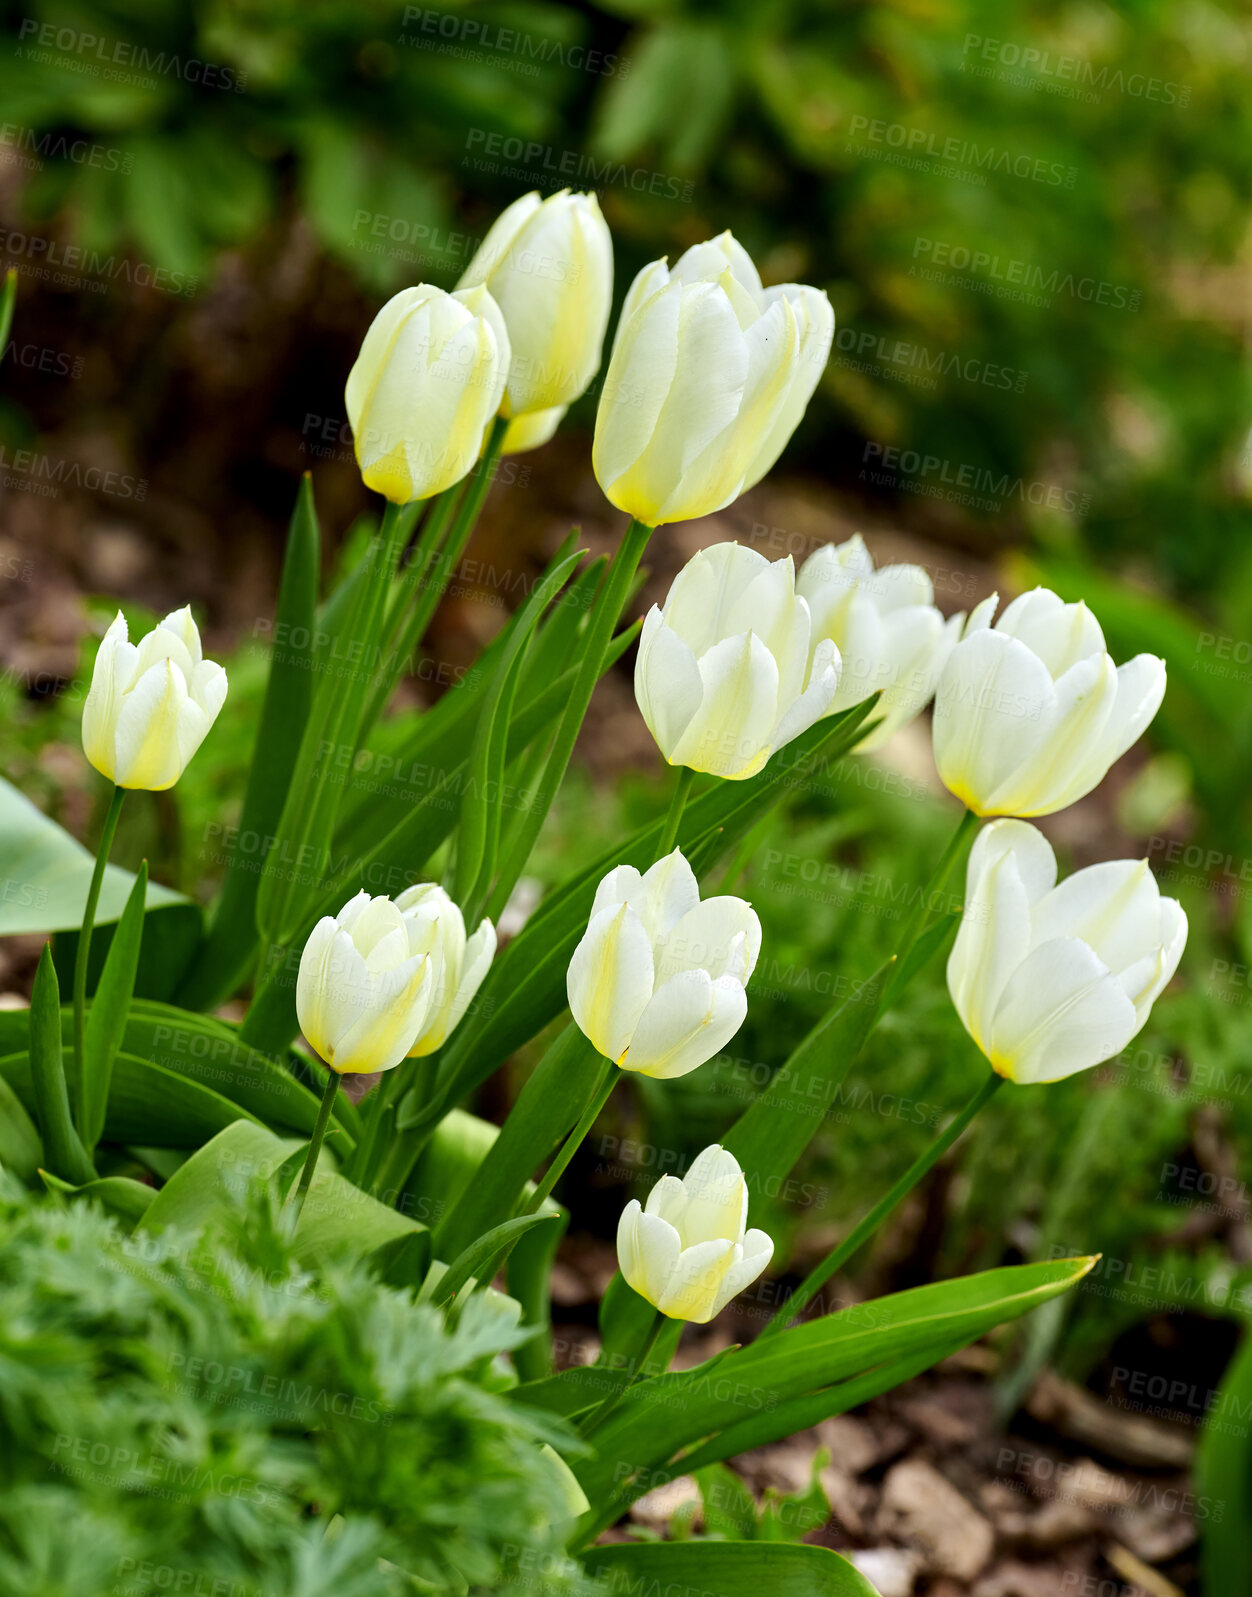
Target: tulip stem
599, 1415
677, 805
315, 1142
600, 1092
84, 949
838, 1257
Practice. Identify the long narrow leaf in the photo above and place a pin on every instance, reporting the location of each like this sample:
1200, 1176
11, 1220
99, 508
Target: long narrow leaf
729, 1569
230, 947
64, 1151
106, 1018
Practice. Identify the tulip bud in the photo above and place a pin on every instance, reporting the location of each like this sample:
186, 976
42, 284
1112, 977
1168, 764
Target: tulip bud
151, 703
364, 987
458, 963
424, 389
891, 638
548, 265
688, 1253
709, 377
726, 671
657, 982
1030, 713
1049, 980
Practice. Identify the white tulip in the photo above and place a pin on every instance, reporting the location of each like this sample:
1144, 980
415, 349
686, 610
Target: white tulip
425, 387
709, 377
891, 638
1031, 713
364, 987
532, 431
1049, 980
151, 703
727, 670
657, 982
548, 265
687, 1252
458, 963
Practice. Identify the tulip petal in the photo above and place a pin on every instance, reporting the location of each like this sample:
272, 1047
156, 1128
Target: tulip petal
730, 734
609, 982
1114, 907
668, 891
717, 1198
720, 935
668, 685
688, 1020
648, 1251
751, 1260
990, 701
707, 591
668, 1199
1060, 1012
695, 1280
817, 698
1064, 761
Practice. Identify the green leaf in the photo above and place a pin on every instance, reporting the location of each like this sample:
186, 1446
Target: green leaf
336, 1214
731, 1569
230, 946
478, 836
8, 298
529, 1274
729, 1507
478, 1261
65, 1153
55, 873
1224, 1477
127, 1199
657, 1418
572, 1391
21, 1150
106, 1016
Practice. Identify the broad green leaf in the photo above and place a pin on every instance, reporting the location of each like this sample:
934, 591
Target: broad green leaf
730, 1569
230, 946
64, 1151
335, 1215
8, 298
572, 1391
658, 1417
106, 1016
729, 1507
44, 885
529, 1276
127, 1199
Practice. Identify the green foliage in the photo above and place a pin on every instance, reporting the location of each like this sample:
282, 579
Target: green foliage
202, 1403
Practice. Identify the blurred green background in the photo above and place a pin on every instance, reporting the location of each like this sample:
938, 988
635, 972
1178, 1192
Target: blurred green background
1033, 223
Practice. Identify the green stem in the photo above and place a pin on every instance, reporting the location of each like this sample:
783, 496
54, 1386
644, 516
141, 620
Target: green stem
606, 1408
603, 620
600, 1093
84, 947
677, 805
315, 1142
856, 1238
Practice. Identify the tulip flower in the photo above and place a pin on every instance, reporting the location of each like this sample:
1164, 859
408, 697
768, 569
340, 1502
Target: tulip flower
1049, 980
657, 982
425, 387
458, 963
1031, 713
727, 670
532, 431
364, 989
548, 264
891, 638
150, 704
687, 1252
709, 377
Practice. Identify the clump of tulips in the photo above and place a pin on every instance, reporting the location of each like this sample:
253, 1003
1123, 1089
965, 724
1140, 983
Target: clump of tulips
746, 669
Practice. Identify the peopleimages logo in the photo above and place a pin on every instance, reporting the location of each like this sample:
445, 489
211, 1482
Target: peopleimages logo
1020, 275
1075, 77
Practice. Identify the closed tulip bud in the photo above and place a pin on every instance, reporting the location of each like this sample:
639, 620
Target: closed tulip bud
891, 638
687, 1252
657, 982
458, 963
151, 703
709, 376
548, 265
727, 669
427, 384
1049, 980
364, 988
1030, 713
